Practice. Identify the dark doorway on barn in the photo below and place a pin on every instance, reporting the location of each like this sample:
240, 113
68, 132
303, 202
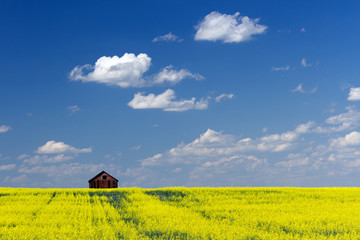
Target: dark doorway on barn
103, 180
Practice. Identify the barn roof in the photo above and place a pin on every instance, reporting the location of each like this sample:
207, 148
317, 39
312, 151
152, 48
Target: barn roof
102, 172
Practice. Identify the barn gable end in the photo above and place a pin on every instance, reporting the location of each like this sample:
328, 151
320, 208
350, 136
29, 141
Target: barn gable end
103, 180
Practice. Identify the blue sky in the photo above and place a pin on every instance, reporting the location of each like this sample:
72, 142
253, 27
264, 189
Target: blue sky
160, 93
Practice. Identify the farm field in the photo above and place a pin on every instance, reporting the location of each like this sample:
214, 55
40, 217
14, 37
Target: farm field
180, 213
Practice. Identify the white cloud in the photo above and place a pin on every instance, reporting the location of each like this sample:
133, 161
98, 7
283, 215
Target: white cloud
225, 164
169, 37
305, 128
286, 68
135, 148
341, 153
127, 71
222, 161
300, 89
66, 169
73, 109
4, 128
223, 96
19, 179
176, 170
296, 160
168, 74
52, 147
7, 167
304, 63
351, 139
213, 144
166, 101
354, 94
151, 161
23, 156
41, 159
344, 121
217, 158
303, 30
228, 28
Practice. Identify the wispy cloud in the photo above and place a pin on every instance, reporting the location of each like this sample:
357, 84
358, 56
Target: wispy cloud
128, 71
286, 68
7, 167
169, 37
172, 76
304, 63
303, 30
65, 169
228, 28
166, 101
136, 148
41, 159
295, 160
224, 96
73, 109
300, 89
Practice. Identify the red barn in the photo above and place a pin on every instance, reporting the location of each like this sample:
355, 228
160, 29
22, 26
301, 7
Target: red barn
103, 180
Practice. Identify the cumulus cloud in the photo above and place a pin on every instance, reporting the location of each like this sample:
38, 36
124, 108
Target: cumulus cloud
224, 96
226, 164
127, 71
52, 147
213, 144
286, 68
170, 75
4, 128
338, 157
228, 28
354, 94
341, 122
351, 139
166, 101
7, 167
217, 158
169, 37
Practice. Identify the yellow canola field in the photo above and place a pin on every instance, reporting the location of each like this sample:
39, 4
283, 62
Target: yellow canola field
180, 213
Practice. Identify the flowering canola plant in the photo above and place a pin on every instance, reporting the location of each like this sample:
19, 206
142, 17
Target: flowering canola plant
180, 213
